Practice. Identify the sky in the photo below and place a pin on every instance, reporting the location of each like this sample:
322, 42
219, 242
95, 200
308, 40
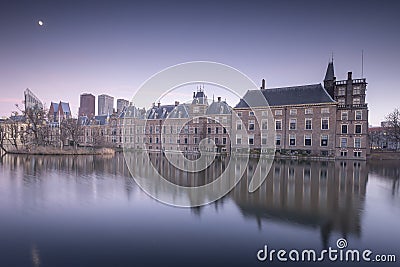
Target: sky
112, 47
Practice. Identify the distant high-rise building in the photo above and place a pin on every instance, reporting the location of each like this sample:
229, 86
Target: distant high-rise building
121, 103
105, 104
31, 100
87, 105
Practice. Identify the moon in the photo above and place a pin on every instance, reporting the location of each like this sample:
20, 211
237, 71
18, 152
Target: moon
40, 22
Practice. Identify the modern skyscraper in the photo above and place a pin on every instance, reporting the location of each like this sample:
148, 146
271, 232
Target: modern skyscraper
105, 104
121, 103
87, 105
31, 100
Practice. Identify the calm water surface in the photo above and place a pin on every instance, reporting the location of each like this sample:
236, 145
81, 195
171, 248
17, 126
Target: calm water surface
88, 211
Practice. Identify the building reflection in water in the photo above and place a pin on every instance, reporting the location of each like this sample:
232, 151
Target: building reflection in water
324, 195
387, 169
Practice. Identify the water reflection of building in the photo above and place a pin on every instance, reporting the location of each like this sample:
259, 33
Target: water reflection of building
324, 195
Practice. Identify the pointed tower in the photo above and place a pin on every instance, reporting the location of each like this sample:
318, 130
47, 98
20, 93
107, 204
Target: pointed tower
329, 81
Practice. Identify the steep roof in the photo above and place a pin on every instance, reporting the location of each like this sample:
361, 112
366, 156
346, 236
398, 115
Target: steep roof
65, 107
219, 107
330, 72
180, 111
159, 112
295, 95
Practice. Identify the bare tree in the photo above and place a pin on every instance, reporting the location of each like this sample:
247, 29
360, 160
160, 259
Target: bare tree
393, 126
71, 130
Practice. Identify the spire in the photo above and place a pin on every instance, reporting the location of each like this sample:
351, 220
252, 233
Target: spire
330, 72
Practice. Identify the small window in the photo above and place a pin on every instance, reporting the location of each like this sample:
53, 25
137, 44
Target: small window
357, 142
264, 113
357, 129
263, 140
251, 113
324, 110
239, 114
251, 125
224, 140
293, 112
358, 115
343, 153
251, 139
292, 124
292, 140
344, 128
344, 115
264, 125
356, 90
356, 101
278, 140
239, 139
278, 125
325, 123
343, 142
341, 101
324, 140
278, 112
307, 140
342, 91
239, 125
308, 125
308, 111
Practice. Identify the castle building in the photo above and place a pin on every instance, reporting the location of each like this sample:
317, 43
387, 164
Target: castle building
316, 120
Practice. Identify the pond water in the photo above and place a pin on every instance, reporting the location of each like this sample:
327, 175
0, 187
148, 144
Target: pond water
88, 211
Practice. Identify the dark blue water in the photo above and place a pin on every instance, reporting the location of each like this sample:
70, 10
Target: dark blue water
88, 211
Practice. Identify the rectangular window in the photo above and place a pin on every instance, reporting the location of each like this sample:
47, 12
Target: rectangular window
195, 140
325, 123
264, 125
209, 130
358, 115
216, 130
251, 125
292, 140
278, 124
307, 140
357, 129
343, 142
196, 120
344, 115
341, 91
357, 142
308, 111
224, 120
186, 140
324, 140
196, 109
293, 112
251, 113
239, 125
324, 110
216, 140
343, 153
356, 101
238, 139
292, 124
251, 139
263, 140
344, 128
195, 130
357, 153
264, 113
278, 112
278, 140
356, 90
239, 114
341, 101
224, 140
308, 124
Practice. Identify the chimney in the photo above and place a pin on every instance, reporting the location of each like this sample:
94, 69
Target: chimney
158, 104
349, 74
176, 103
219, 99
194, 94
262, 84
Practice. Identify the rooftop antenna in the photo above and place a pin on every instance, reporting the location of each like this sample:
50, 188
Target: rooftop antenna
362, 63
332, 57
